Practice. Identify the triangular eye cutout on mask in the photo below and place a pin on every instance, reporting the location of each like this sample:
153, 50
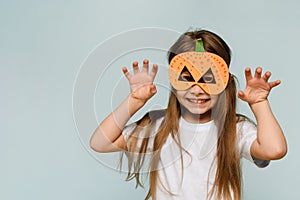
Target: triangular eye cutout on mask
208, 77
186, 75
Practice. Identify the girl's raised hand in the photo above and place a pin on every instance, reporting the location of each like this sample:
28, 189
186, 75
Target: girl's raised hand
257, 87
141, 82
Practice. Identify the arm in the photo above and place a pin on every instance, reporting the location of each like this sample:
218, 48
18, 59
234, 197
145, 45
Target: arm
108, 135
270, 143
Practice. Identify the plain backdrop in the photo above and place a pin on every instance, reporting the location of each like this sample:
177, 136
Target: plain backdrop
45, 45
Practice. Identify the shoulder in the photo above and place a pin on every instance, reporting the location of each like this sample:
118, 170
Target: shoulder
245, 124
151, 119
155, 115
246, 131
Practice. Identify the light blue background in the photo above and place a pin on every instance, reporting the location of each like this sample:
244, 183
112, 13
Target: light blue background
44, 43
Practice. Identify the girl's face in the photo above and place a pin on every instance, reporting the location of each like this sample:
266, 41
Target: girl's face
195, 104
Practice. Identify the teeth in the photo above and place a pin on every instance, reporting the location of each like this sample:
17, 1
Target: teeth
197, 101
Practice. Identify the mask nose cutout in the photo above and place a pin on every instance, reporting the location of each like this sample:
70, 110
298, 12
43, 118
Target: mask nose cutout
197, 89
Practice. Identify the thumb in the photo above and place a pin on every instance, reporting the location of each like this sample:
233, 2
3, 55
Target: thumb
144, 93
153, 89
241, 95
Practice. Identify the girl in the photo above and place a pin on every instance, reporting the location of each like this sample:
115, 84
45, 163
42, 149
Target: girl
193, 147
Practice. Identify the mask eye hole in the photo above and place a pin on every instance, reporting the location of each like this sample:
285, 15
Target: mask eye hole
185, 75
208, 77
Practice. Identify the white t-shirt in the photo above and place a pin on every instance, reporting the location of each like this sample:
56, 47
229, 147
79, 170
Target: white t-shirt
199, 164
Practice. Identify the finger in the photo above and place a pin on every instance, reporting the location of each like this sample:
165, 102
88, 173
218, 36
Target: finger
153, 89
248, 74
241, 95
274, 83
154, 71
145, 66
126, 73
267, 76
135, 66
258, 72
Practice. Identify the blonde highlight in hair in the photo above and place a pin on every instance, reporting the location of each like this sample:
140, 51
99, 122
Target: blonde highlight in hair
227, 183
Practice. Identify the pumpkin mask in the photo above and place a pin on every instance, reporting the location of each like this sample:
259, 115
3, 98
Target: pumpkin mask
205, 69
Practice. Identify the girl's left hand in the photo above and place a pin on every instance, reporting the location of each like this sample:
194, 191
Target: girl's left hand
257, 87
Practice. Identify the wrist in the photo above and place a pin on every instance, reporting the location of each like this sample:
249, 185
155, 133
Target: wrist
134, 104
257, 106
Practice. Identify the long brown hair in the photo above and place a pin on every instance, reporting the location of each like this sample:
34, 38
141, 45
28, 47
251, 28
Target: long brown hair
227, 183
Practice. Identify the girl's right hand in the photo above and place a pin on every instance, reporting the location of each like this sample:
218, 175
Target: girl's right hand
141, 82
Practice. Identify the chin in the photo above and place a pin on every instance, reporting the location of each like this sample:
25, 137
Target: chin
197, 113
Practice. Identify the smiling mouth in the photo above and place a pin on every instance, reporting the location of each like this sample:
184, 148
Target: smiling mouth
199, 101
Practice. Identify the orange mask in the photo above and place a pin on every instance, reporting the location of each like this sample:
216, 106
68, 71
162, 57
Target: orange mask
205, 69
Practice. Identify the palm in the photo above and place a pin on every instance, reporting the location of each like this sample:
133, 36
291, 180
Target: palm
139, 80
